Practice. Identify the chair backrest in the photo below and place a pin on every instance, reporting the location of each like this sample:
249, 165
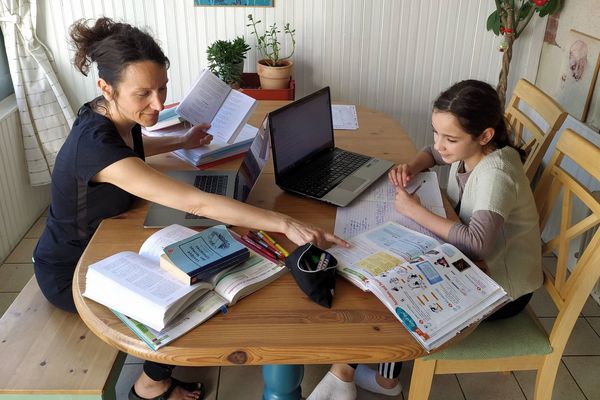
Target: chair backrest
537, 143
569, 289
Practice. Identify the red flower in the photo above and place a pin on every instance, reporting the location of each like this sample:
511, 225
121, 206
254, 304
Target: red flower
540, 3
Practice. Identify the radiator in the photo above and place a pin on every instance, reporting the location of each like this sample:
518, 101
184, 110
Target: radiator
20, 204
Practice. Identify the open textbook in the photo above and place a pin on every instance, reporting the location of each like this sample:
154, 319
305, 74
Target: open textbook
212, 101
209, 154
376, 206
432, 288
135, 286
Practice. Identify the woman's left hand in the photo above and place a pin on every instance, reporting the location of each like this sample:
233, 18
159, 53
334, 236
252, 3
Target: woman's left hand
196, 137
405, 202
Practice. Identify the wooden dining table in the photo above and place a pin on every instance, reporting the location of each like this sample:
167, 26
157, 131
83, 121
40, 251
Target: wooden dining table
277, 327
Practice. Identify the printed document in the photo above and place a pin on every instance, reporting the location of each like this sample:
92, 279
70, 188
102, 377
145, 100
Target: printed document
344, 117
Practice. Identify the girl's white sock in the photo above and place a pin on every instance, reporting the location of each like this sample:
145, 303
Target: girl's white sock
365, 378
333, 388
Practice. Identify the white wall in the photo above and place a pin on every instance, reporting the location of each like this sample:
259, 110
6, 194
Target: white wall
394, 56
20, 204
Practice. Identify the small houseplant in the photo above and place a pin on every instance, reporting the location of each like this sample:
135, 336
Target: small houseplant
274, 70
226, 59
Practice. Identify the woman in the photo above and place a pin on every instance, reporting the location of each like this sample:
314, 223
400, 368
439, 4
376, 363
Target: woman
100, 170
492, 197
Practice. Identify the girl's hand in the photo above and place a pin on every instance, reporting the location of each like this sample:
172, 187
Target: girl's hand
405, 202
196, 137
400, 175
301, 233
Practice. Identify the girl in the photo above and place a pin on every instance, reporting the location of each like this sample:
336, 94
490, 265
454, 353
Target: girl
491, 195
100, 170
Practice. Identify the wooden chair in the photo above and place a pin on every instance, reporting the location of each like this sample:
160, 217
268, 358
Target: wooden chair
520, 343
538, 141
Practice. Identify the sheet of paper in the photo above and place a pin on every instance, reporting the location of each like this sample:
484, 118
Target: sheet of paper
233, 113
376, 206
344, 117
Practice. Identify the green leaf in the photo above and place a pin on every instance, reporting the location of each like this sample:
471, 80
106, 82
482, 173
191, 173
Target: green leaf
525, 10
493, 23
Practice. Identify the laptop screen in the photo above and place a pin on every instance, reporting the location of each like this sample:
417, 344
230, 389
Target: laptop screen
300, 130
254, 161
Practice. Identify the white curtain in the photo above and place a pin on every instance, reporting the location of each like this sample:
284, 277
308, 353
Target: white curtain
44, 111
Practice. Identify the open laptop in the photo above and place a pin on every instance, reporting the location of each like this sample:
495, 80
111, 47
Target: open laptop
306, 160
232, 184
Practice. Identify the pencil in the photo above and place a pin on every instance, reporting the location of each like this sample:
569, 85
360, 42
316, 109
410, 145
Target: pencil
274, 243
264, 244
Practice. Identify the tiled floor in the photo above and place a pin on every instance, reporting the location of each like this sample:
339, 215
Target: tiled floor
577, 376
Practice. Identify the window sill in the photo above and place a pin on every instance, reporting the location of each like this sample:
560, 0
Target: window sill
7, 106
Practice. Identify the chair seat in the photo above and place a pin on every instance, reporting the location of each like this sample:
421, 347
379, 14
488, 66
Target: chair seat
510, 337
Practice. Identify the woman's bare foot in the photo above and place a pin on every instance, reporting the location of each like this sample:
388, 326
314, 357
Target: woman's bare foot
146, 388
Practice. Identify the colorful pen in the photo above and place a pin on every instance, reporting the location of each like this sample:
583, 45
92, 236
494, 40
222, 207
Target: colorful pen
274, 243
257, 249
254, 236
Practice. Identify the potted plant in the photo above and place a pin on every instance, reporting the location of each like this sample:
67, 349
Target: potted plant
274, 70
226, 59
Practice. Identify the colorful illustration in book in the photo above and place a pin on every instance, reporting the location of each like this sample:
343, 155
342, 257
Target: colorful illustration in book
461, 264
442, 261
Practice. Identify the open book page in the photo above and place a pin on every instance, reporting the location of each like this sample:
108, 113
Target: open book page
344, 117
379, 250
376, 206
217, 150
138, 287
152, 247
247, 278
232, 116
201, 103
437, 294
198, 312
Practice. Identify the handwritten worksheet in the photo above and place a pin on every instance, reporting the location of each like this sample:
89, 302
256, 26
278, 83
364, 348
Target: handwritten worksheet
376, 206
344, 117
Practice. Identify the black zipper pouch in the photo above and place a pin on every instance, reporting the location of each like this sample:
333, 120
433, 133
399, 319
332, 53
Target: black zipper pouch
313, 270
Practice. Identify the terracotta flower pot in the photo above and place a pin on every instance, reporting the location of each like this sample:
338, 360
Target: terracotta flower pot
274, 77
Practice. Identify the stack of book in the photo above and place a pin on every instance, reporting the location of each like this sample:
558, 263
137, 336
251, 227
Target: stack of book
202, 255
210, 101
157, 306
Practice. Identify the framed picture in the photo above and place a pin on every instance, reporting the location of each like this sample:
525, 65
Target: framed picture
240, 3
578, 73
592, 114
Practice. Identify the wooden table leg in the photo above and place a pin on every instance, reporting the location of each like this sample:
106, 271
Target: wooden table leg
282, 382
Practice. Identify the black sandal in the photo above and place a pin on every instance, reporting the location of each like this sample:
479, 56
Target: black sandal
189, 386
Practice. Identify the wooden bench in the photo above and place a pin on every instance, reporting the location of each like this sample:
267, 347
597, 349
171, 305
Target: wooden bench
47, 353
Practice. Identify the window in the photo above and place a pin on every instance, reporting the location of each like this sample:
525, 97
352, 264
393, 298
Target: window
6, 86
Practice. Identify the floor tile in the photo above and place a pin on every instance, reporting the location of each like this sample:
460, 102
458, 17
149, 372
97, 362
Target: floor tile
595, 323
490, 386
565, 387
22, 253
133, 360
591, 308
6, 300
129, 374
230, 387
13, 277
542, 304
583, 341
585, 371
443, 387
36, 230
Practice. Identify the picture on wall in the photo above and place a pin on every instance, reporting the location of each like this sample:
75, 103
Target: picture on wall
241, 3
593, 114
577, 73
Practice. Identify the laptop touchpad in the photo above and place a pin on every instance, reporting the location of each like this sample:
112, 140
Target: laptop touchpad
351, 183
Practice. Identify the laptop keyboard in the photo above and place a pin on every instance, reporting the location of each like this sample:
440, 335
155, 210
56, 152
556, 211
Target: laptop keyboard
328, 175
216, 184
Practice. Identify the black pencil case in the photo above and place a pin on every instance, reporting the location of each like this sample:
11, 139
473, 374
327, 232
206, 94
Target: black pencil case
314, 270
